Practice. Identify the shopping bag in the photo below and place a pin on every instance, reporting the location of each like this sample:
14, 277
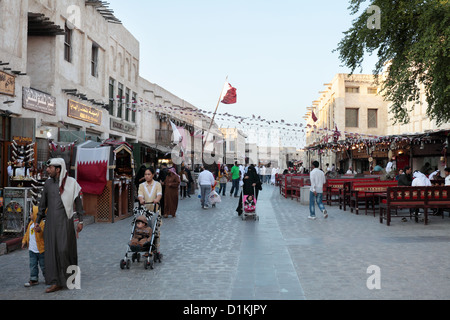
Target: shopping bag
214, 198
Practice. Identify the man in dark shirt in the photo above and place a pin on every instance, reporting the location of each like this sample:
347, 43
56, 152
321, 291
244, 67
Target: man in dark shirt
406, 178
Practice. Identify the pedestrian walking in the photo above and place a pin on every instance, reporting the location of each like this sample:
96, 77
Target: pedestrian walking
317, 178
35, 242
252, 186
161, 178
183, 183
223, 179
206, 182
189, 175
172, 183
59, 195
150, 193
235, 177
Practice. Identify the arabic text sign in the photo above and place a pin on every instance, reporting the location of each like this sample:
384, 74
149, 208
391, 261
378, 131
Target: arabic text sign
39, 101
82, 112
7, 83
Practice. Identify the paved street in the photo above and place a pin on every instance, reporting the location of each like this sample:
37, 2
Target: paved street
214, 255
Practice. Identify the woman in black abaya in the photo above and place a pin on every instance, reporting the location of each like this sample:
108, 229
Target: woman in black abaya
251, 185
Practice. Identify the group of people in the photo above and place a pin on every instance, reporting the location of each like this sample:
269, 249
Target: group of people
55, 250
173, 185
245, 179
407, 177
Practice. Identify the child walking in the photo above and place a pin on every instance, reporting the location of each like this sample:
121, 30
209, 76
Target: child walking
35, 243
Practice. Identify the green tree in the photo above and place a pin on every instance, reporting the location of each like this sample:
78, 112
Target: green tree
413, 47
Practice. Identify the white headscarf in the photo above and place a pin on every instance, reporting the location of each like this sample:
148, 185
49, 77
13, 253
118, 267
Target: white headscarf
69, 188
420, 180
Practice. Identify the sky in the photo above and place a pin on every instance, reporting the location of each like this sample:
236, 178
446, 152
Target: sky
278, 54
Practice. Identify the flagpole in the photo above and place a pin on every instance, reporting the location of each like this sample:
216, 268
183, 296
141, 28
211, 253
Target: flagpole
213, 117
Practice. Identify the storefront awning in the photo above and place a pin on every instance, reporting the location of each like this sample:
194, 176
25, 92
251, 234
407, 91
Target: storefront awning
158, 148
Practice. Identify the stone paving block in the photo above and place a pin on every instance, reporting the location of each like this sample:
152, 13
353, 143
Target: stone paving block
214, 255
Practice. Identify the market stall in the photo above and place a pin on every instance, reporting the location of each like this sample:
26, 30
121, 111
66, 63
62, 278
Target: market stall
105, 172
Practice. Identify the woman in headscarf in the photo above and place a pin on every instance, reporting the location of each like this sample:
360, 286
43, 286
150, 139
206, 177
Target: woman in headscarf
171, 183
252, 186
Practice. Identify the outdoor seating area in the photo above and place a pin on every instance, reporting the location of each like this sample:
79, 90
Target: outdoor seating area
373, 196
425, 198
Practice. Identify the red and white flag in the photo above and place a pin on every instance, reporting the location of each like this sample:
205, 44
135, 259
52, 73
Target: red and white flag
229, 95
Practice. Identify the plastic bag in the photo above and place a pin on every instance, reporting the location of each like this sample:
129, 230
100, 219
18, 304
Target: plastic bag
214, 198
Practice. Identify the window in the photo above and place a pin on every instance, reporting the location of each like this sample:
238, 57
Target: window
120, 101
127, 104
67, 44
94, 61
372, 118
372, 90
232, 145
351, 117
111, 96
134, 107
352, 89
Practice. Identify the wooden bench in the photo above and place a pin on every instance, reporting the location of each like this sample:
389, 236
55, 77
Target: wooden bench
334, 187
296, 184
367, 192
435, 197
290, 184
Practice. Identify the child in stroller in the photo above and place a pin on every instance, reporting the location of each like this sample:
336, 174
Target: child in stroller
144, 238
249, 204
141, 236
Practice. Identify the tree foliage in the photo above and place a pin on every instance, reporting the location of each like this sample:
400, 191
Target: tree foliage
413, 49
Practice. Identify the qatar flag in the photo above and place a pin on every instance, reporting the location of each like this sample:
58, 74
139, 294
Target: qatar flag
229, 95
92, 169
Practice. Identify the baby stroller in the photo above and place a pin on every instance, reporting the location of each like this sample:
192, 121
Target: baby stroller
149, 248
249, 210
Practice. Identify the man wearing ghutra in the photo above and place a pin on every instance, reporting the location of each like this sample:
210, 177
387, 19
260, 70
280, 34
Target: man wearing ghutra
59, 195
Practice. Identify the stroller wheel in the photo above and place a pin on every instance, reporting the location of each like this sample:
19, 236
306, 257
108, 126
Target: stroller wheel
128, 263
133, 257
148, 264
122, 264
138, 257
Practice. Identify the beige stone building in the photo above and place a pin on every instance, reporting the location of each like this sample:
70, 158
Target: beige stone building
235, 145
351, 104
70, 71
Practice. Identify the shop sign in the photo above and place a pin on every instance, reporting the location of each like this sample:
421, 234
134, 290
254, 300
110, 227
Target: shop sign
7, 84
83, 112
23, 140
123, 127
39, 101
